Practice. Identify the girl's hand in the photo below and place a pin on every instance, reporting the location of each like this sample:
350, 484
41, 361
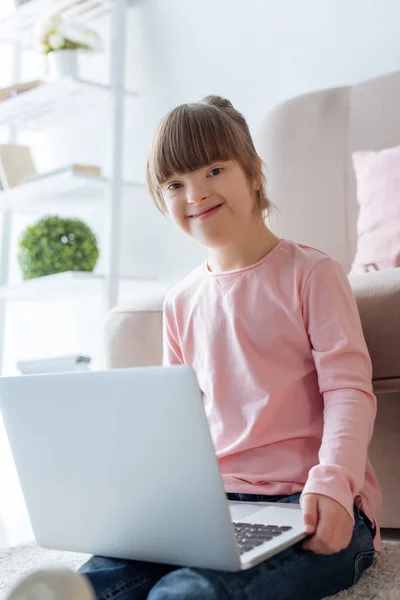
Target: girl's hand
328, 521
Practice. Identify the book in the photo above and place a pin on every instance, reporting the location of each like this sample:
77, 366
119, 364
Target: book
19, 88
16, 163
87, 169
74, 168
57, 364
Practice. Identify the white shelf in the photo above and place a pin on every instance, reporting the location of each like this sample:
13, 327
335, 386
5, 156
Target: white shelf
65, 190
75, 285
18, 27
58, 104
52, 103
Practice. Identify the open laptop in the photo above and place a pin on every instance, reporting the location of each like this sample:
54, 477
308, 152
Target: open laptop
121, 463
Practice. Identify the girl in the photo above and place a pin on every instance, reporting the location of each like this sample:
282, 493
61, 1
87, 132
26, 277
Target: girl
273, 333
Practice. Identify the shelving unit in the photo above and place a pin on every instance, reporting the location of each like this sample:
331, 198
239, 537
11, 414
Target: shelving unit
60, 191
52, 287
66, 190
73, 284
47, 104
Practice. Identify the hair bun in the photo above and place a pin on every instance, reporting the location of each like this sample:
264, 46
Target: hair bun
217, 101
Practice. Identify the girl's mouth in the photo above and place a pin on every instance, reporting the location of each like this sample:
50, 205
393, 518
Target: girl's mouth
207, 213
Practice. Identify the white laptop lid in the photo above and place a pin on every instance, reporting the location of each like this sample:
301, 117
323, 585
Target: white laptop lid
120, 463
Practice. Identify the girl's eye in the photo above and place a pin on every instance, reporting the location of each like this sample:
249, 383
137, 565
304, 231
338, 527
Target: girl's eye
174, 186
216, 171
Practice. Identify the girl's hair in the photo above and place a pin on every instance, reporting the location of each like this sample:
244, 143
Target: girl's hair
195, 135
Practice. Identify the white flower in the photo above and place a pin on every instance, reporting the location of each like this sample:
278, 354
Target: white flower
47, 27
41, 33
52, 33
52, 22
56, 41
80, 34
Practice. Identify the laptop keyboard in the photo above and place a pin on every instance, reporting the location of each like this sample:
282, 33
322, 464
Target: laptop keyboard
249, 536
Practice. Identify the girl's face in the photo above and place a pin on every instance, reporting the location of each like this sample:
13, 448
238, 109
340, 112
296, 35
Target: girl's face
213, 204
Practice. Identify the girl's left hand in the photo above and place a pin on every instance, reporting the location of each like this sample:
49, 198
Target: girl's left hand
328, 521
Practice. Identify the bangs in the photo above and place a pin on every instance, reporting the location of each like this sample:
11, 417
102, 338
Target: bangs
191, 137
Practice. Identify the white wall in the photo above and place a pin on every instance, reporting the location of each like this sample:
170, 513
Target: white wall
260, 52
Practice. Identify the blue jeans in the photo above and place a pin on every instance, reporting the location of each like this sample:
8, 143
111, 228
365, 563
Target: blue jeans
294, 574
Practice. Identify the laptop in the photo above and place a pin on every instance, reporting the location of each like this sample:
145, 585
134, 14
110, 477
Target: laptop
121, 463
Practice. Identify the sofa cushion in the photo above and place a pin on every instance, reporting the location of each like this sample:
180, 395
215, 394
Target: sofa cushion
378, 194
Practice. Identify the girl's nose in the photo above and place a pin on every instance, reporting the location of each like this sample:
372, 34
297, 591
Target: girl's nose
197, 195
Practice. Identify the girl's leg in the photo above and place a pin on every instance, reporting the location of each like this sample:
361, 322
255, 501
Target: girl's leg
114, 579
294, 574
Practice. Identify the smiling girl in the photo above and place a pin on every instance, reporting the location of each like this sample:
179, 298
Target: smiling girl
272, 331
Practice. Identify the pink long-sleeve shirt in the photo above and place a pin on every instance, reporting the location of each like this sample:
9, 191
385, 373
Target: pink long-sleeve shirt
285, 375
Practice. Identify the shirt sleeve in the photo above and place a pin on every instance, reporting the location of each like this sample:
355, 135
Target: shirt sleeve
345, 381
172, 354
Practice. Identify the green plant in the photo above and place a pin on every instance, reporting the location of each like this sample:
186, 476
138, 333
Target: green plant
54, 245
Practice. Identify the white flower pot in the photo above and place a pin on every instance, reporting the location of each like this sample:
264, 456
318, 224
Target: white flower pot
62, 63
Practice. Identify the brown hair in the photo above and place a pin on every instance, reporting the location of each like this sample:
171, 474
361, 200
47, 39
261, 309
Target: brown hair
193, 136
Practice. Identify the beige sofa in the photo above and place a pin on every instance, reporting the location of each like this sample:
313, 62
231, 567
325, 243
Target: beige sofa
306, 144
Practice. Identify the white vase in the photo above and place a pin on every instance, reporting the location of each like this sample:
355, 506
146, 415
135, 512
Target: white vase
62, 63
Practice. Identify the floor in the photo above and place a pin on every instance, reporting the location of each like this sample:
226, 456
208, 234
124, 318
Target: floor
380, 582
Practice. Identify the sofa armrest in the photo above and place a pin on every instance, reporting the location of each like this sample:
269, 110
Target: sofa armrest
378, 298
133, 333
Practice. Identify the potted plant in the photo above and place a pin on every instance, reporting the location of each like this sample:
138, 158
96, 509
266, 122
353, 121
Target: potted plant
61, 41
54, 245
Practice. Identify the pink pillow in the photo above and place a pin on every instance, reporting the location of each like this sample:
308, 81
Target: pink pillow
378, 194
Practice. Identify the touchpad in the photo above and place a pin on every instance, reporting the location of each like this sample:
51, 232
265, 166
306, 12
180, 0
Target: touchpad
241, 510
